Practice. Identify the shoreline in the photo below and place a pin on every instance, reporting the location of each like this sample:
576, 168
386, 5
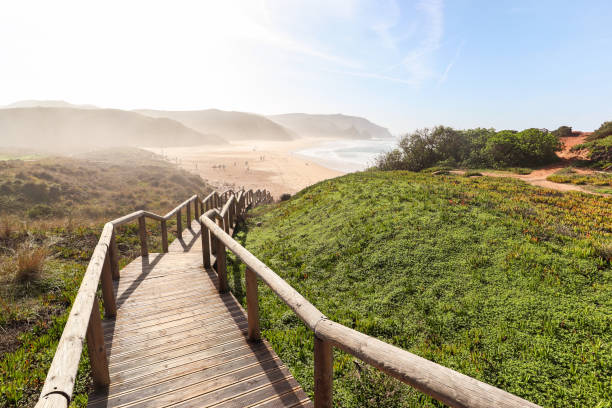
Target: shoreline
264, 164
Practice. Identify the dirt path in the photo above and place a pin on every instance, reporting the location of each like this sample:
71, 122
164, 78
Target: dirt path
538, 177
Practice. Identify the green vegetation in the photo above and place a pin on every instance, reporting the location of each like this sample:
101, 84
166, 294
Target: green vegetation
44, 253
472, 148
569, 175
563, 131
502, 281
599, 146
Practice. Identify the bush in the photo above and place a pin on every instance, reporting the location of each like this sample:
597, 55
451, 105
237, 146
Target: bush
600, 151
40, 211
531, 147
563, 131
285, 197
605, 130
445, 146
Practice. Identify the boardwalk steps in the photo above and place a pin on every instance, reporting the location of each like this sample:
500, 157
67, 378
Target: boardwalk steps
177, 341
173, 335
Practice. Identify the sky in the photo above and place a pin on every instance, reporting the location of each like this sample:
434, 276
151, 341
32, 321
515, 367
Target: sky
401, 64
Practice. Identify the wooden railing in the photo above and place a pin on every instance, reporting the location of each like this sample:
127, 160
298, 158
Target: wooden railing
216, 214
84, 323
442, 383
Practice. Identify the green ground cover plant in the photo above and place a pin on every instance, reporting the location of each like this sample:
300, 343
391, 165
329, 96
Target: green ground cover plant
599, 146
502, 281
34, 310
568, 175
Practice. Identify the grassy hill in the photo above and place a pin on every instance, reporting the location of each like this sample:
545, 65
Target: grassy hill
52, 211
497, 279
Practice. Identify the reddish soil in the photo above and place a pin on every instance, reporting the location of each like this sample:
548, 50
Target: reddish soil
538, 177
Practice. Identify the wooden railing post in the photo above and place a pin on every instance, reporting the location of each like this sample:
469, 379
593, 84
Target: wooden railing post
179, 224
254, 333
226, 222
142, 231
221, 267
205, 246
114, 256
164, 233
188, 215
323, 373
110, 307
96, 348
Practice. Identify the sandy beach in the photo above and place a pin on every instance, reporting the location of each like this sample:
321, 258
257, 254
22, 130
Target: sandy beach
253, 164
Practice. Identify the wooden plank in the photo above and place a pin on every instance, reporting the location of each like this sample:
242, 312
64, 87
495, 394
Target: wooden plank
296, 398
140, 370
120, 328
264, 393
187, 331
201, 338
215, 390
153, 359
238, 358
200, 381
231, 316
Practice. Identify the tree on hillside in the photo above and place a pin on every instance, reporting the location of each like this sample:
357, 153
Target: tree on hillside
445, 146
563, 131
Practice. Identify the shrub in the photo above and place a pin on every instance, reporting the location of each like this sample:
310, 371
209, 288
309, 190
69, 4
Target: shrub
30, 262
39, 211
471, 148
285, 197
563, 131
531, 147
605, 130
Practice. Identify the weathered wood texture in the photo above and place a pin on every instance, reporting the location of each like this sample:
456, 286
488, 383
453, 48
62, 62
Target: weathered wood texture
168, 349
179, 338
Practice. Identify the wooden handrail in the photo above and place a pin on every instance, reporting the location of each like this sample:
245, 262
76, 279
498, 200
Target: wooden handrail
442, 383
84, 319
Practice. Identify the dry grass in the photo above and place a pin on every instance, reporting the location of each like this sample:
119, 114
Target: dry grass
29, 263
7, 227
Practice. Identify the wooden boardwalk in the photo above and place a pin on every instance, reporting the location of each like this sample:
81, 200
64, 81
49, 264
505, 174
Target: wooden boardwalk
177, 342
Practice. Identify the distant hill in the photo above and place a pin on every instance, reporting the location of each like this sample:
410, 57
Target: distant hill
70, 129
338, 125
47, 104
227, 124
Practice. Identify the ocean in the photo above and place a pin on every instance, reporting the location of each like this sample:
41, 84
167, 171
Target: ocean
348, 155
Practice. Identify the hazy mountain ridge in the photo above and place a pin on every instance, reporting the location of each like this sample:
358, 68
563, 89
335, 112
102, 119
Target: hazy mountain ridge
57, 125
33, 103
230, 125
335, 125
73, 128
